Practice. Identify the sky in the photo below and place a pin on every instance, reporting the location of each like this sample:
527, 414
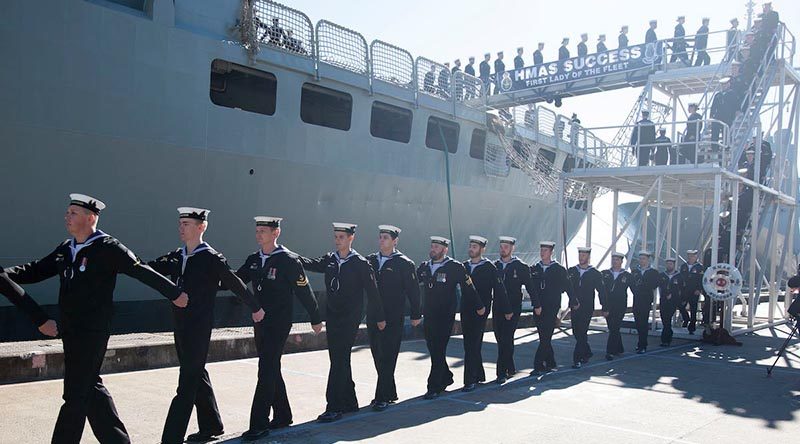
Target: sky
444, 30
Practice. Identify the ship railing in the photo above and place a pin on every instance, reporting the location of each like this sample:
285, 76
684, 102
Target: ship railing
293, 32
433, 78
466, 87
717, 44
392, 64
342, 47
689, 149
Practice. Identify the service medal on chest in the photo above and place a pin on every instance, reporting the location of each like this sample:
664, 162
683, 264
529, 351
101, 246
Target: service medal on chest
82, 268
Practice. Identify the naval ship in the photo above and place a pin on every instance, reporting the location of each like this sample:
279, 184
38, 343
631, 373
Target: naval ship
151, 105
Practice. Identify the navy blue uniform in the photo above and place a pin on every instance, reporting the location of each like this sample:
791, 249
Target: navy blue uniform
690, 296
397, 283
643, 283
670, 289
615, 303
548, 283
514, 275
439, 281
489, 285
585, 284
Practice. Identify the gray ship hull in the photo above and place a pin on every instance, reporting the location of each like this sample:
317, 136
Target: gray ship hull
118, 107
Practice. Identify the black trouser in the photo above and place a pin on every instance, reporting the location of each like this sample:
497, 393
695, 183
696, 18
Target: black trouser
679, 53
661, 156
689, 316
688, 151
270, 391
341, 391
673, 155
385, 347
642, 304
702, 58
580, 329
504, 334
644, 156
545, 357
85, 397
614, 322
716, 132
194, 387
472, 327
437, 334
667, 310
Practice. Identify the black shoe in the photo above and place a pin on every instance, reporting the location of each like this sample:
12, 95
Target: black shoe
537, 373
254, 435
500, 380
577, 365
685, 324
279, 424
431, 395
510, 374
691, 332
380, 406
641, 351
665, 344
609, 357
585, 360
469, 387
204, 436
329, 417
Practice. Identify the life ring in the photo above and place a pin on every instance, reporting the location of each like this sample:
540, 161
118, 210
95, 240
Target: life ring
722, 282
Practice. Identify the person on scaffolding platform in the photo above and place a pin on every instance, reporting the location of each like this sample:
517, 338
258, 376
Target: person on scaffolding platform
622, 39
643, 138
601, 43
470, 70
731, 39
701, 44
583, 50
644, 280
586, 282
538, 57
549, 281
663, 148
563, 54
650, 36
679, 43
499, 69
485, 71
669, 295
614, 302
694, 128
794, 286
519, 62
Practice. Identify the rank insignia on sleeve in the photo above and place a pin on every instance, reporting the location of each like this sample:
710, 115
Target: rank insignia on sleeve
303, 281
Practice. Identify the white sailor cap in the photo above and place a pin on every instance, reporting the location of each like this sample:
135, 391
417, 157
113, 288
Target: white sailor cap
670, 259
645, 253
691, 251
344, 227
480, 240
681, 17
565, 39
706, 19
584, 34
88, 202
584, 249
618, 254
488, 54
440, 240
601, 37
624, 28
507, 240
734, 21
193, 213
499, 53
723, 80
520, 48
541, 43
548, 244
653, 22
692, 105
268, 221
391, 230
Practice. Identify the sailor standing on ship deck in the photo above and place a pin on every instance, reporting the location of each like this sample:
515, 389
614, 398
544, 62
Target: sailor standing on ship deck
616, 282
87, 266
586, 282
277, 278
348, 276
514, 273
549, 281
644, 280
489, 286
397, 282
440, 277
198, 269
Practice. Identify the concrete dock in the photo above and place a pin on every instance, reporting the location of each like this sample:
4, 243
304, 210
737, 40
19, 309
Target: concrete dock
687, 393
